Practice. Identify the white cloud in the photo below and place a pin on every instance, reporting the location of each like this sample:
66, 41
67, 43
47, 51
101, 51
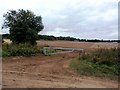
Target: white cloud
78, 18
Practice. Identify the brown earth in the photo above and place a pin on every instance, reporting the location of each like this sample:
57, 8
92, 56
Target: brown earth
88, 46
51, 71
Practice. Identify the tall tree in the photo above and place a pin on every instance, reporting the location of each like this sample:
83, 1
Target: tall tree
23, 26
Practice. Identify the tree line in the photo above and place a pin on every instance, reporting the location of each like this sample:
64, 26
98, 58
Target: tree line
52, 38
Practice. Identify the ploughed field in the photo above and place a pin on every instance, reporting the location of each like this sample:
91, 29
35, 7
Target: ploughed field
52, 71
88, 46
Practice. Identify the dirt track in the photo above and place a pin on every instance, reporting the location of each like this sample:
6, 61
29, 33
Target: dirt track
47, 72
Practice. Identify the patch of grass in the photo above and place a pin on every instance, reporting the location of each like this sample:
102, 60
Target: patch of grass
101, 63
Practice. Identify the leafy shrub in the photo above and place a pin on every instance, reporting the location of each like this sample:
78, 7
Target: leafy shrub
5, 53
19, 50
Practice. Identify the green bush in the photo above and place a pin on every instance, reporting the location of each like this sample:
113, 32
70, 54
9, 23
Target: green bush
102, 63
102, 56
5, 53
19, 50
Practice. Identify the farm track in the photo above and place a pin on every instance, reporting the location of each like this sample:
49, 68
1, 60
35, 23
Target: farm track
48, 72
41, 71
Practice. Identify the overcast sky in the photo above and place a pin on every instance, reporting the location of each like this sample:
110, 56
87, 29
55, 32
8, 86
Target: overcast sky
89, 19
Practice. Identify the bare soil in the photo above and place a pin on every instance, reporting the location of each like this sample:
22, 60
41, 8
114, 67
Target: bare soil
88, 46
51, 71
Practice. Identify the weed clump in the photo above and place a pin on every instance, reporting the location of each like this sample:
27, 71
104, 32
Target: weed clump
19, 50
102, 63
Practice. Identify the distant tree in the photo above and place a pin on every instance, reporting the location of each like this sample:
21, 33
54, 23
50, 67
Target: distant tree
5, 36
23, 26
